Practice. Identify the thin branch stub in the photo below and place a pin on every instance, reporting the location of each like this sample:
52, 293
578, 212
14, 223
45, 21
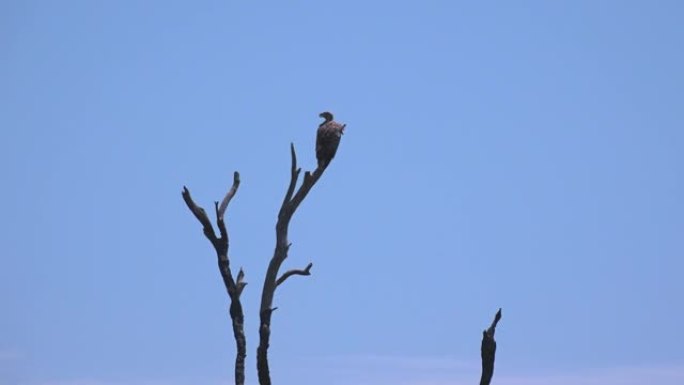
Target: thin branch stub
289, 273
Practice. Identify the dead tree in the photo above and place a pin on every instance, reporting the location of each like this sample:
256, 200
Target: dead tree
488, 351
233, 286
272, 281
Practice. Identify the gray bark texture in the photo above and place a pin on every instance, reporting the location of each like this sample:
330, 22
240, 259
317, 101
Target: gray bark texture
233, 286
272, 281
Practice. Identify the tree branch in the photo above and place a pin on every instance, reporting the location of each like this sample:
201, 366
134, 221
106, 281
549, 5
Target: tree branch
290, 204
234, 288
289, 273
229, 195
488, 350
201, 216
293, 180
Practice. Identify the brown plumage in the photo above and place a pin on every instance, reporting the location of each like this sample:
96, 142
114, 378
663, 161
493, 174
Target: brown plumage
328, 139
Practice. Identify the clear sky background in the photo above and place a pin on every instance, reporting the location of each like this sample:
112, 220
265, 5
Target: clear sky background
525, 155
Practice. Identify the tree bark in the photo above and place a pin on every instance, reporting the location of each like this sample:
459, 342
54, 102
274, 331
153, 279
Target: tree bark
488, 351
290, 204
233, 287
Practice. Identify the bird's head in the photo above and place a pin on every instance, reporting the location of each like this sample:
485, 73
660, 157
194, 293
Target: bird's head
326, 115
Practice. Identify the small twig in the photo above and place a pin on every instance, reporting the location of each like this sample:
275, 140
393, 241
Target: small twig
488, 350
229, 195
240, 281
200, 214
289, 273
293, 181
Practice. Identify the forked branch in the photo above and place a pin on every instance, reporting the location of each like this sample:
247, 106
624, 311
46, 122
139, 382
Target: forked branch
290, 204
233, 287
488, 350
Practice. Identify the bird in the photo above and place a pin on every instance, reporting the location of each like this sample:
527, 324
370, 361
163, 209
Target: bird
328, 139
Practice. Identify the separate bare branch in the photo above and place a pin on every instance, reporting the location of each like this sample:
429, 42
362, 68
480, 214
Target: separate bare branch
201, 216
488, 350
293, 178
229, 195
289, 273
233, 287
290, 204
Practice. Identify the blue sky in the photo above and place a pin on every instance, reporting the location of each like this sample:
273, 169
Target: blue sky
525, 156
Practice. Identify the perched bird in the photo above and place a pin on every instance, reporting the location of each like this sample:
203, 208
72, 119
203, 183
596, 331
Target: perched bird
328, 139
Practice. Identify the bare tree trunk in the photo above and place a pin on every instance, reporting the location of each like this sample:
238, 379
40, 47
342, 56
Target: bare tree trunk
488, 351
272, 281
233, 287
